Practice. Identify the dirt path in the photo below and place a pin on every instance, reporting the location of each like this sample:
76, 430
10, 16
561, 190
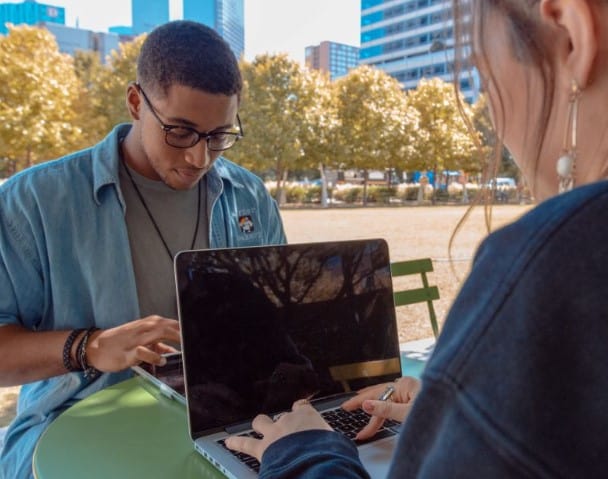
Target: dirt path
412, 232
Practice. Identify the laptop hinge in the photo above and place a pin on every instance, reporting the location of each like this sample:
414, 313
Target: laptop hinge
237, 428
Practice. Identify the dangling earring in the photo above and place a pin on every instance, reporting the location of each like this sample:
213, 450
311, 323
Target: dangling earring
567, 161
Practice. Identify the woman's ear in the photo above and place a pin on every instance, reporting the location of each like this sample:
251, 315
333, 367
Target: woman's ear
133, 101
576, 17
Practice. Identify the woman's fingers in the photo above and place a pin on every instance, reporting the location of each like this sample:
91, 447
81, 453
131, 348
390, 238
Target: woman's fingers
262, 423
387, 409
247, 445
370, 429
371, 392
303, 417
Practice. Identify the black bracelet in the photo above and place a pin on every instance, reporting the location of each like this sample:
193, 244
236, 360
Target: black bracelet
67, 350
81, 355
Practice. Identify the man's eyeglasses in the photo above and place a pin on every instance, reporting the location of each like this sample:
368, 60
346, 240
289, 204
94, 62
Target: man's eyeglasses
184, 137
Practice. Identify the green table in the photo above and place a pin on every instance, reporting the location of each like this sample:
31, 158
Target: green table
128, 430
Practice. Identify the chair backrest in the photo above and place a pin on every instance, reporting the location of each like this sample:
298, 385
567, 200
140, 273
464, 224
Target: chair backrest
347, 372
419, 295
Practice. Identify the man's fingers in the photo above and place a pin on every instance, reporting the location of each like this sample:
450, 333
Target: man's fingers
165, 333
248, 445
154, 329
146, 355
163, 348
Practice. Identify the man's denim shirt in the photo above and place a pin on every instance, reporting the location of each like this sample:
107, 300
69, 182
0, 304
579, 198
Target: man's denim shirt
65, 263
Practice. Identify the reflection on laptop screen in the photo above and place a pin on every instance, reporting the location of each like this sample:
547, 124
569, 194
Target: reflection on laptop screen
265, 326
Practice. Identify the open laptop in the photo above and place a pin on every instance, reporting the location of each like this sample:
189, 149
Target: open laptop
264, 326
169, 379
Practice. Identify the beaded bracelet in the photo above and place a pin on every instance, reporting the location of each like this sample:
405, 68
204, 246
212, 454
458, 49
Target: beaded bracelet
81, 355
67, 350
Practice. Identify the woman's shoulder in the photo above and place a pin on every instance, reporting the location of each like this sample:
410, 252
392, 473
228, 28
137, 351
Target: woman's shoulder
552, 221
531, 272
528, 323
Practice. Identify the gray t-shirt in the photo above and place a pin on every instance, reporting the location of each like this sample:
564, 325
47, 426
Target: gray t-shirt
175, 214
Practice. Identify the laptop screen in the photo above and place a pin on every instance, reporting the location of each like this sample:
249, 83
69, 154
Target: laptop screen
265, 326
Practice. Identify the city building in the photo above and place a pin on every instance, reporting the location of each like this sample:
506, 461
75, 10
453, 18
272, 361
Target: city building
410, 40
226, 17
148, 14
29, 12
125, 33
334, 58
122, 30
70, 39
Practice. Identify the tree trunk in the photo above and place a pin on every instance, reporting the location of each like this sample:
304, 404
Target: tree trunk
433, 197
324, 202
365, 176
280, 194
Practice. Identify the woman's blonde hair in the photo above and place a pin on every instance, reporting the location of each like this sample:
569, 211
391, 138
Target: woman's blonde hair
527, 41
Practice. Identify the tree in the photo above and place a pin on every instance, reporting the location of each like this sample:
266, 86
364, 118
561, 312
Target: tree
108, 92
374, 121
276, 104
483, 124
89, 70
319, 145
39, 93
444, 141
320, 126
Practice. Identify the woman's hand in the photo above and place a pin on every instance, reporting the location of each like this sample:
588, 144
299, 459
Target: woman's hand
397, 407
143, 340
303, 417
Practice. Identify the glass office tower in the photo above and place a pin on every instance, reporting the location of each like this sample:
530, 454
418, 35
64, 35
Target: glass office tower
225, 16
410, 40
30, 13
71, 39
335, 58
148, 14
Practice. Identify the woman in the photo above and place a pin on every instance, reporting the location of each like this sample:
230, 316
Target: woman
518, 384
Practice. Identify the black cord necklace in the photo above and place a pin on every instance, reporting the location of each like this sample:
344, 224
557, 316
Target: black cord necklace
145, 205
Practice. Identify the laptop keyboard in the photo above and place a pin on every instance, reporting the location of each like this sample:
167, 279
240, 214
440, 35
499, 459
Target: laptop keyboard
248, 460
348, 423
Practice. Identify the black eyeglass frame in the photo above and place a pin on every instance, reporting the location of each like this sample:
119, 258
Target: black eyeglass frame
167, 128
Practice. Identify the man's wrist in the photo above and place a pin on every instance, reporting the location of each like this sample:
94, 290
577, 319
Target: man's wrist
68, 355
90, 372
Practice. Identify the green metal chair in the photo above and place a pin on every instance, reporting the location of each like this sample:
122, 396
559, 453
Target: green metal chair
427, 294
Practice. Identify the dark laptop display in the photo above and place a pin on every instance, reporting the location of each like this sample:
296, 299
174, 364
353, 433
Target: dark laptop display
262, 327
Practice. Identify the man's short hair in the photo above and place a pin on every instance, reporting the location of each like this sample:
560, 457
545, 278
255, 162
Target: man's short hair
189, 54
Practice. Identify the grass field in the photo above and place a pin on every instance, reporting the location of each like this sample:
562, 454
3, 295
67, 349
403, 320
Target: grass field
411, 232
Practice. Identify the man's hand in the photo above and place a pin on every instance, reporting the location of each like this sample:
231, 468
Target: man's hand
397, 407
302, 418
143, 340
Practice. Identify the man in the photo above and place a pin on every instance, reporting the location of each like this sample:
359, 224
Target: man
87, 241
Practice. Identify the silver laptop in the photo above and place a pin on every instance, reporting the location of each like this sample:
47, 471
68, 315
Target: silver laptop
169, 379
264, 326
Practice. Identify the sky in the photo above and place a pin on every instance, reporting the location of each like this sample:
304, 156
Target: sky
271, 26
